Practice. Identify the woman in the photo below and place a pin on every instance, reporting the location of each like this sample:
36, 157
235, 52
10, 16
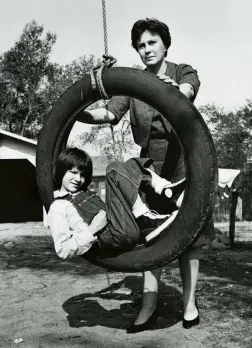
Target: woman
151, 39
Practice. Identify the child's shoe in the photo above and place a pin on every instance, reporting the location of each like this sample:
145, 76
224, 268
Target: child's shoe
173, 190
150, 234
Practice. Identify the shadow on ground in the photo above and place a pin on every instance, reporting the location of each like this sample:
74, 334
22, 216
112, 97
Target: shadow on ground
223, 292
225, 283
37, 252
92, 309
226, 274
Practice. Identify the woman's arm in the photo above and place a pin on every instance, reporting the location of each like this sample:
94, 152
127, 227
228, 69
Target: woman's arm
115, 110
185, 88
96, 116
68, 243
187, 80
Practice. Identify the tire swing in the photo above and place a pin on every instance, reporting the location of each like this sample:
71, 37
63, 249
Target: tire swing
199, 154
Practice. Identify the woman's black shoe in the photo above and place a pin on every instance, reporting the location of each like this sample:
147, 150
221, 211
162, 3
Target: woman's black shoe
148, 325
187, 324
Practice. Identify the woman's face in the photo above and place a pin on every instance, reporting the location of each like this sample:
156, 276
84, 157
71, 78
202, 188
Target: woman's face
151, 49
73, 180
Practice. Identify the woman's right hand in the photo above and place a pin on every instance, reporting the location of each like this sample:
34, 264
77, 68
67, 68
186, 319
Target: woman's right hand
167, 79
99, 222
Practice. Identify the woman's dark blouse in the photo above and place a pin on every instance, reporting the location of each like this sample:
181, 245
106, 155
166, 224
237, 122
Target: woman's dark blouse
144, 118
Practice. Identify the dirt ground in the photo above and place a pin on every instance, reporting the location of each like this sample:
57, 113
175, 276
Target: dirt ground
48, 302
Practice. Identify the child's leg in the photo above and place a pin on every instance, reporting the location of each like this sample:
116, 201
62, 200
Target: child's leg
121, 194
124, 205
165, 187
158, 183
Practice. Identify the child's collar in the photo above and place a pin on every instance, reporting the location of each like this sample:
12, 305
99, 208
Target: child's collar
63, 193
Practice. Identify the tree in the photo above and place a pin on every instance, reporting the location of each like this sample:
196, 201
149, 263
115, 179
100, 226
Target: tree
109, 140
24, 71
62, 77
232, 134
8, 101
30, 84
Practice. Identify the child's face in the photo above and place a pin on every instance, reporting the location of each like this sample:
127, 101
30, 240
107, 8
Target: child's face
73, 180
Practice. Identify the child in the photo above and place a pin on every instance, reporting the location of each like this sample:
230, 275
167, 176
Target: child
78, 218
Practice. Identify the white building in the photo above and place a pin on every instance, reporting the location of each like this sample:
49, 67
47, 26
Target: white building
19, 192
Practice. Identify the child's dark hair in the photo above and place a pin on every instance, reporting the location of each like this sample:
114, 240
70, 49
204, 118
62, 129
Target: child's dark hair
70, 158
154, 26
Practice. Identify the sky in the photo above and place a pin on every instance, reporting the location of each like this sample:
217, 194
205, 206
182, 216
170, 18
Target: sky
214, 36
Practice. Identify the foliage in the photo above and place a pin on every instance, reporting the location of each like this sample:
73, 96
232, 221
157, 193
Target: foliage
30, 84
232, 134
110, 140
61, 78
23, 72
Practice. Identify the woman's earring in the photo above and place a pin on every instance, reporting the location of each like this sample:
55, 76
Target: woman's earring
165, 53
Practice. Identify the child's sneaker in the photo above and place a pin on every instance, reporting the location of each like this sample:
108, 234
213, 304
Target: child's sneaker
173, 190
151, 219
151, 234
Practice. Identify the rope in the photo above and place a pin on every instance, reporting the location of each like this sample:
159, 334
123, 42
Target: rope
107, 62
96, 75
105, 33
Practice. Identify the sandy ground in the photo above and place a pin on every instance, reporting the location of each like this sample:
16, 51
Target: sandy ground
48, 302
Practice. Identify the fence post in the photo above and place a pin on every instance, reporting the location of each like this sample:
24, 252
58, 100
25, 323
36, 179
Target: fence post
234, 201
247, 195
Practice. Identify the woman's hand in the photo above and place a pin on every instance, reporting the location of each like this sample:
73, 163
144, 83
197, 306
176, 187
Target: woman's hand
99, 222
167, 79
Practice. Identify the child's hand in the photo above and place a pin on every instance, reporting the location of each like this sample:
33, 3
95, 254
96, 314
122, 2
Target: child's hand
99, 222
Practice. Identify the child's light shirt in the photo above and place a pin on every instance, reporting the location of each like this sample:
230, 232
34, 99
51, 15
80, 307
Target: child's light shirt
71, 234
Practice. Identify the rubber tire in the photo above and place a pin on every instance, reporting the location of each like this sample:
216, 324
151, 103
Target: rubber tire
197, 144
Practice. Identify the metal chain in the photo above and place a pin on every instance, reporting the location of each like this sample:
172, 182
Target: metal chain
105, 33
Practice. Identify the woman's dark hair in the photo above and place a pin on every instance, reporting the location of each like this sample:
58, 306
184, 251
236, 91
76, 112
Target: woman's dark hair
154, 26
73, 158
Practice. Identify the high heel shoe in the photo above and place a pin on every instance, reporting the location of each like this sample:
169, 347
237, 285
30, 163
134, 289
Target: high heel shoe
188, 324
148, 325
